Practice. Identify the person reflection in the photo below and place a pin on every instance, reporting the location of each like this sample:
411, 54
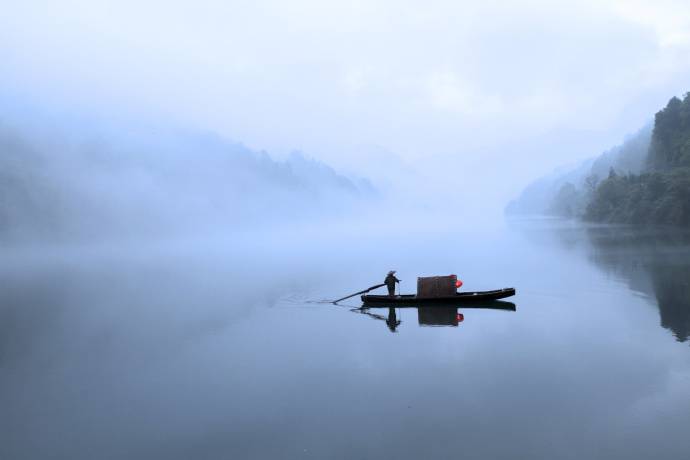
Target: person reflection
392, 320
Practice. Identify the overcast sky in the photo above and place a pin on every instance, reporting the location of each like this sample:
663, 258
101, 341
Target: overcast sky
488, 92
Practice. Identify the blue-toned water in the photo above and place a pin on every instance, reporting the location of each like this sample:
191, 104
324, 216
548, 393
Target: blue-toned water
220, 349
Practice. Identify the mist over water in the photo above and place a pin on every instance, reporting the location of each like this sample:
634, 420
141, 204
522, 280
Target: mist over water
220, 348
167, 295
186, 187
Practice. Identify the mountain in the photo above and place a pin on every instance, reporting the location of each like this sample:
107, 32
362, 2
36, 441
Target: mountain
537, 197
567, 191
660, 194
646, 180
132, 180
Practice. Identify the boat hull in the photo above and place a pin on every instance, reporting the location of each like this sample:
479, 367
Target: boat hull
459, 298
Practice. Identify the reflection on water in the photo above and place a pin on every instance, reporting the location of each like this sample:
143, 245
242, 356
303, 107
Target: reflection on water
655, 263
216, 353
429, 315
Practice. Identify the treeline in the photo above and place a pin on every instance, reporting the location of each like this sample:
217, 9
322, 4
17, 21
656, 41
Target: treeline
646, 180
568, 191
661, 193
133, 182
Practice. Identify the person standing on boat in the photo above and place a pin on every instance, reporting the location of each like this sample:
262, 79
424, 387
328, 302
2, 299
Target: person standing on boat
390, 282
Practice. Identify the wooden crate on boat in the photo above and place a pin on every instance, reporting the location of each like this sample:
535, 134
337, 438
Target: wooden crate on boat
436, 286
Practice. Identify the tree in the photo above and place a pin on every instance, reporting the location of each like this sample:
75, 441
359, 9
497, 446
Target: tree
591, 183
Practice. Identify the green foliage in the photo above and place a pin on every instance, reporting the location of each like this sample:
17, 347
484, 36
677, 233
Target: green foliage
661, 195
649, 198
553, 194
670, 147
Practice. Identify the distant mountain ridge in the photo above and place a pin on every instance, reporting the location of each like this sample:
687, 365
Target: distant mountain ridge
567, 191
644, 181
141, 181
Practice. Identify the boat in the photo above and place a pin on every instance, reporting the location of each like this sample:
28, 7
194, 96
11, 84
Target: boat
459, 298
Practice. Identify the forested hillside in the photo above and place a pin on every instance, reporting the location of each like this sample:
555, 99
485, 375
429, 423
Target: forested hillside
661, 193
135, 182
567, 191
646, 180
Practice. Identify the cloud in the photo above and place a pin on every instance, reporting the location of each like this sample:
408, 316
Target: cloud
670, 19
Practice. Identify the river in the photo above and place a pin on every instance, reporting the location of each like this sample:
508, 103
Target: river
219, 350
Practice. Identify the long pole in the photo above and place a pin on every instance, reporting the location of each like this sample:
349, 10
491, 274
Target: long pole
361, 292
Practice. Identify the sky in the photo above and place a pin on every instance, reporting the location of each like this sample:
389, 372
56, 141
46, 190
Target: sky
478, 97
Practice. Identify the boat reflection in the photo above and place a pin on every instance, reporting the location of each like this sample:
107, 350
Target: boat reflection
429, 314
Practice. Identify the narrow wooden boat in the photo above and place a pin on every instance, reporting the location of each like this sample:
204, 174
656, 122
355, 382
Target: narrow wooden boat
458, 299
489, 305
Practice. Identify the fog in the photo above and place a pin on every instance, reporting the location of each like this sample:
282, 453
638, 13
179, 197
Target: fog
201, 351
477, 98
123, 181
186, 186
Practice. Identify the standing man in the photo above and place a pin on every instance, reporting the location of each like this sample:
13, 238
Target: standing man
390, 282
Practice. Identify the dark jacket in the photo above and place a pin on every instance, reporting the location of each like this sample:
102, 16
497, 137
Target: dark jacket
391, 280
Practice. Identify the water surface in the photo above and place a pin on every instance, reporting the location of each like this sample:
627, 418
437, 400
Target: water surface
217, 349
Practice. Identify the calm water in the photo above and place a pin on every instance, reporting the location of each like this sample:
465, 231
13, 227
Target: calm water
210, 350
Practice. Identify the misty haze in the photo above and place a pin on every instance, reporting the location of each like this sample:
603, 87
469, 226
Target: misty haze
345, 230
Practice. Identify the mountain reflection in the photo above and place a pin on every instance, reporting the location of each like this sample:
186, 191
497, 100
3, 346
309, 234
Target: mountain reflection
428, 315
654, 263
